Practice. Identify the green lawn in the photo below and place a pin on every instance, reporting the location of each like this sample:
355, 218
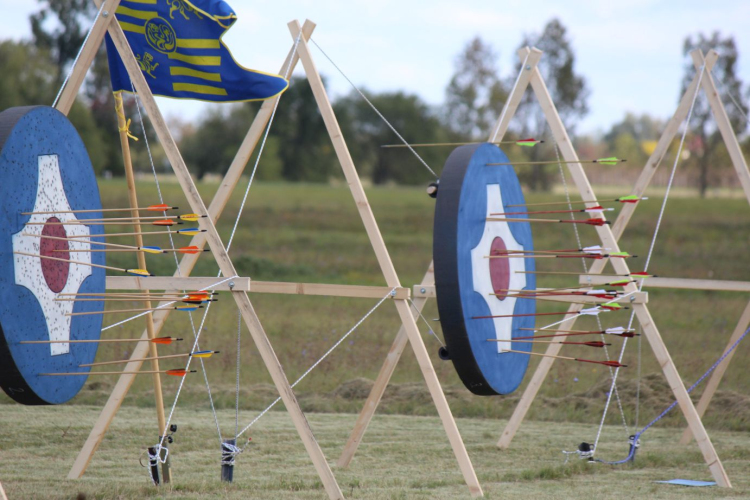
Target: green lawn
312, 233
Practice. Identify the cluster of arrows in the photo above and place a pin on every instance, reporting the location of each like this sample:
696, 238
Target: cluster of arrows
608, 297
163, 221
185, 302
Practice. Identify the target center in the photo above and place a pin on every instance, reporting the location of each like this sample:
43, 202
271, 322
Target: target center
55, 272
499, 269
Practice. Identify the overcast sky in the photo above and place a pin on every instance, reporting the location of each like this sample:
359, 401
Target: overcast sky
629, 52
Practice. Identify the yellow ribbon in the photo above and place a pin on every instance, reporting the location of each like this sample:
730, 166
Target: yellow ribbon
120, 110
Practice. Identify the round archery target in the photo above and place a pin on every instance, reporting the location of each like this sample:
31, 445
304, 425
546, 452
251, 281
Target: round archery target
469, 285
44, 167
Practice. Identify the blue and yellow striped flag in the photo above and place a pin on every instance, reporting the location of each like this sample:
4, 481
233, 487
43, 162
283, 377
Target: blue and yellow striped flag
178, 46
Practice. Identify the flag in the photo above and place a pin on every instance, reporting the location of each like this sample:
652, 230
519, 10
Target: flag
178, 46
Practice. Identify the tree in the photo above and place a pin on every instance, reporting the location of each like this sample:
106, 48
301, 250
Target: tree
475, 95
632, 138
306, 152
59, 28
70, 19
567, 89
366, 133
707, 137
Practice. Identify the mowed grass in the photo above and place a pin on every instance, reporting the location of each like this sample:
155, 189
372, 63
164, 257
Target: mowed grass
313, 233
401, 457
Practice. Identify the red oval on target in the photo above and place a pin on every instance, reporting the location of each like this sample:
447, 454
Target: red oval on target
55, 272
499, 269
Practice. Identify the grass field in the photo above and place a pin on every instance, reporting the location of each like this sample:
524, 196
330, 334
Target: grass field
312, 233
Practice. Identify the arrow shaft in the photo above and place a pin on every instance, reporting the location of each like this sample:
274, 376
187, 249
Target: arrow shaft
152, 209
64, 374
76, 239
123, 361
71, 261
85, 341
89, 313
576, 202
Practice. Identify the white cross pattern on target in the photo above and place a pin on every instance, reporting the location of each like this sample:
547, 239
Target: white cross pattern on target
480, 266
50, 197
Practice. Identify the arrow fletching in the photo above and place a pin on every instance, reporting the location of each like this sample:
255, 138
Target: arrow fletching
191, 231
165, 222
528, 143
152, 249
612, 160
611, 306
643, 275
138, 272
630, 199
190, 217
203, 354
189, 250
164, 340
179, 372
160, 208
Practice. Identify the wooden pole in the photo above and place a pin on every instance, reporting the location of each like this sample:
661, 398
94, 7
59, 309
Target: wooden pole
609, 240
386, 266
122, 124
224, 262
187, 263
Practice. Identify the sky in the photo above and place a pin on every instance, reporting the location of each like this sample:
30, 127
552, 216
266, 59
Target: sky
630, 53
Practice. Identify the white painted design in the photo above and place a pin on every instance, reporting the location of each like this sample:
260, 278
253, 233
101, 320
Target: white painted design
50, 196
480, 266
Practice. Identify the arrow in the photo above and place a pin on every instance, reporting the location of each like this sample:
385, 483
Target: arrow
153, 295
157, 340
573, 333
613, 364
595, 249
622, 199
151, 208
631, 275
186, 300
600, 294
585, 255
176, 308
134, 272
591, 222
596, 209
151, 249
187, 217
592, 311
612, 160
176, 372
530, 142
196, 354
85, 222
191, 231
595, 343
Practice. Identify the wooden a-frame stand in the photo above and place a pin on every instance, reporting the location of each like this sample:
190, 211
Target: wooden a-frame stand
240, 286
530, 74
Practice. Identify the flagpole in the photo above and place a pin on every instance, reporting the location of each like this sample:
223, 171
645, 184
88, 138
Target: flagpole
123, 126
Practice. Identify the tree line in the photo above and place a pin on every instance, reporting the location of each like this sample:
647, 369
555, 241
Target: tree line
298, 148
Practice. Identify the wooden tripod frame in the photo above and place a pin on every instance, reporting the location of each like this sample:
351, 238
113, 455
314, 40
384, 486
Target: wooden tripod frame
240, 286
530, 74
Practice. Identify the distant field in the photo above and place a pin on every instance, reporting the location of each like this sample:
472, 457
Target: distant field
312, 233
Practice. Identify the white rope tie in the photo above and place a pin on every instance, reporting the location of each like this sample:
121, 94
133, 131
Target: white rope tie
653, 241
393, 129
78, 56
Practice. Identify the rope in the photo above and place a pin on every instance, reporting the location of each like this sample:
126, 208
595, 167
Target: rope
78, 55
429, 328
367, 315
176, 261
669, 408
586, 270
393, 129
729, 93
237, 390
653, 243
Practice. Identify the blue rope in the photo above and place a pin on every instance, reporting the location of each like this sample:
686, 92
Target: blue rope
669, 408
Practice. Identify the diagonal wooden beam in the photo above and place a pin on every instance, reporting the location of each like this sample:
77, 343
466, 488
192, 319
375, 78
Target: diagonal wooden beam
225, 263
609, 240
87, 55
185, 267
386, 266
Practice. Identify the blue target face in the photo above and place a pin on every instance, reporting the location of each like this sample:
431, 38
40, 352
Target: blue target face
473, 273
46, 173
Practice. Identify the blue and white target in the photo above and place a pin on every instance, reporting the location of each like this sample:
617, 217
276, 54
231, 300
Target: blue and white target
468, 283
44, 167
